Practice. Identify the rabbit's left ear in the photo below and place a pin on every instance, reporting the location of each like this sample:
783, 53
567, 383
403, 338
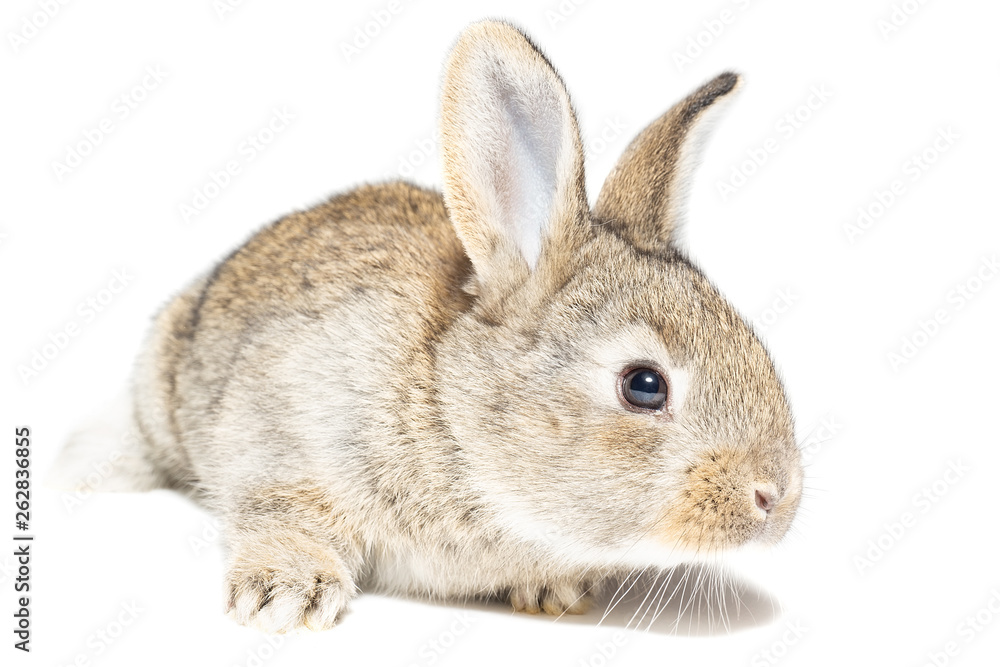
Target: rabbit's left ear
644, 196
513, 163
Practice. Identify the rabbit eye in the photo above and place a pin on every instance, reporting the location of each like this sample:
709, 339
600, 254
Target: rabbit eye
644, 388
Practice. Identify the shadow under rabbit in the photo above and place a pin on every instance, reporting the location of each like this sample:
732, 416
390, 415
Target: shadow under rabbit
688, 600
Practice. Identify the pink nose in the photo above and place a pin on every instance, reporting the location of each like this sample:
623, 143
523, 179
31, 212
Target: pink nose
765, 500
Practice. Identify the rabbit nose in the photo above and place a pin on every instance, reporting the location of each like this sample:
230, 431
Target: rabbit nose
765, 498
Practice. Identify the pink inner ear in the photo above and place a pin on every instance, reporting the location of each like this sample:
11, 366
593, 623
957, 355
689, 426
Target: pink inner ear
525, 160
511, 151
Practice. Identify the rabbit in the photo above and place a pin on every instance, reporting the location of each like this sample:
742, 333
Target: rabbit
492, 392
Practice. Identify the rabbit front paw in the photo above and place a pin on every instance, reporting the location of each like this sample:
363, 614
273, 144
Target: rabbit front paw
277, 590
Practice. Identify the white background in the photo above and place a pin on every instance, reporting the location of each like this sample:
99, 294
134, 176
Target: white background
891, 430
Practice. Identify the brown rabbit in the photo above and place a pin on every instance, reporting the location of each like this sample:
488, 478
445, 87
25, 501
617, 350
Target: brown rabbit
495, 392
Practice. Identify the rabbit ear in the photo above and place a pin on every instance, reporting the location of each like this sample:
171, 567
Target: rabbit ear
643, 197
513, 163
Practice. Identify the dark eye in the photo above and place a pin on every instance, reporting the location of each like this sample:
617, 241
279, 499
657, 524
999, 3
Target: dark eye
645, 388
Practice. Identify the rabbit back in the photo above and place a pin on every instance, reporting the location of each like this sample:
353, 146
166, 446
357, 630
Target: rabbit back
289, 345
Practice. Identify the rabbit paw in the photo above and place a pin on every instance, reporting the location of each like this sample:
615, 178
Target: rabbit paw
287, 590
569, 597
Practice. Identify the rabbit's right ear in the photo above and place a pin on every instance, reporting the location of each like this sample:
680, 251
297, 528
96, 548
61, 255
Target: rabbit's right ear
513, 162
644, 196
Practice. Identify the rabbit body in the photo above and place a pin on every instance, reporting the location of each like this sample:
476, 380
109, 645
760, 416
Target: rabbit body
443, 394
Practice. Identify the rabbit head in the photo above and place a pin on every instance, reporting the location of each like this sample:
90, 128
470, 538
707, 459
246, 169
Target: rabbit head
608, 403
